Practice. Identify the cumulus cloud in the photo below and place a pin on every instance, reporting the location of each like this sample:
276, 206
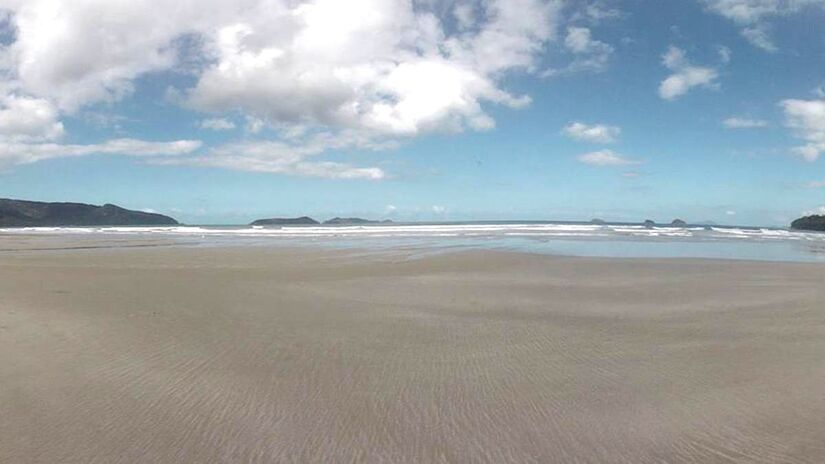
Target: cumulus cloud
74, 53
29, 119
735, 122
580, 40
806, 118
217, 124
597, 133
383, 66
388, 69
685, 76
816, 184
591, 54
588, 53
753, 16
606, 158
599, 11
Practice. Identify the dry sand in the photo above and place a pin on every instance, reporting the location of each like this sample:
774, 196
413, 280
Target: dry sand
164, 355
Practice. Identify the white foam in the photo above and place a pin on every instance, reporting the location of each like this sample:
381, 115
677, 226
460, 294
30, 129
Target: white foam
441, 230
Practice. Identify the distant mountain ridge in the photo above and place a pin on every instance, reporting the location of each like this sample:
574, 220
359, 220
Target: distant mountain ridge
22, 213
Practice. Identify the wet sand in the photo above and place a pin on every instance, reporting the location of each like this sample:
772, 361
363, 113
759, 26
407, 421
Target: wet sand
175, 354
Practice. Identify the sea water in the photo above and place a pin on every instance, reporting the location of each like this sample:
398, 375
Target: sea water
561, 238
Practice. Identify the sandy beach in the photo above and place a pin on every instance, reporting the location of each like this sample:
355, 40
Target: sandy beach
160, 354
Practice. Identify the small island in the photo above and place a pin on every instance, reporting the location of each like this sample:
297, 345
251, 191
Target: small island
339, 221
22, 213
678, 223
299, 221
649, 223
814, 222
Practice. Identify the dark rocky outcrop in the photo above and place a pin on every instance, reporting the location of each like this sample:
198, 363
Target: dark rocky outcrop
649, 224
338, 221
300, 221
597, 221
815, 222
678, 223
20, 213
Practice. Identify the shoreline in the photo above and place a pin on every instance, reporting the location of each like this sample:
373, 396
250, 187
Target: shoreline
583, 248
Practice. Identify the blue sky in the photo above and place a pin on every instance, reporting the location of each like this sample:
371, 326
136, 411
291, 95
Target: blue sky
224, 112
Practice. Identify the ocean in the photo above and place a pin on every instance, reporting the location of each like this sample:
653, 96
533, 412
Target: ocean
560, 238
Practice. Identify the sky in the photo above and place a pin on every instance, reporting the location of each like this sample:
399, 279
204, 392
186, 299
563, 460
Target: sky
225, 111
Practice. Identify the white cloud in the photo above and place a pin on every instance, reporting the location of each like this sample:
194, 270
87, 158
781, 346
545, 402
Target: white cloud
79, 52
387, 69
288, 157
578, 40
724, 54
816, 184
744, 11
588, 53
255, 125
29, 119
377, 65
759, 37
735, 122
598, 133
754, 15
217, 124
807, 120
438, 209
13, 153
598, 11
730, 213
685, 75
606, 158
465, 14
816, 211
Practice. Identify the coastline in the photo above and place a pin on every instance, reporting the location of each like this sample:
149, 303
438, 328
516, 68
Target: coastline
548, 238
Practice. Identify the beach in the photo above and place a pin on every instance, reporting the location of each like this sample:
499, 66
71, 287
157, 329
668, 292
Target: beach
157, 353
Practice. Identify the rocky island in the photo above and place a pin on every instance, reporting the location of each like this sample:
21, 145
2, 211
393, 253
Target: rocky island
814, 222
299, 221
678, 223
21, 213
338, 221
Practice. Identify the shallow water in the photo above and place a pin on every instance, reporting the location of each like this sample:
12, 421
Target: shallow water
569, 239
